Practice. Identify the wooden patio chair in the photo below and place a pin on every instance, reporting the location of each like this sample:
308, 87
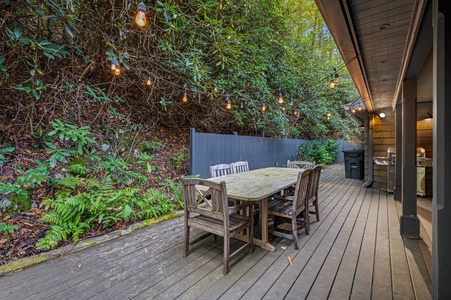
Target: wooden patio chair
220, 170
312, 192
210, 212
300, 164
239, 166
291, 207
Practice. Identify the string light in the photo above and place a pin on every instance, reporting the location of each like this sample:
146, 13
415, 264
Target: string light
331, 82
264, 108
293, 111
359, 108
149, 81
280, 100
283, 108
185, 97
117, 71
336, 76
140, 17
229, 104
328, 116
353, 110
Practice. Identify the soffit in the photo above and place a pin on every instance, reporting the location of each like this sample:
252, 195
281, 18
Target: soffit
377, 32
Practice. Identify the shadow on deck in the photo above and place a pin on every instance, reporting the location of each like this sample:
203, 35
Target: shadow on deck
355, 251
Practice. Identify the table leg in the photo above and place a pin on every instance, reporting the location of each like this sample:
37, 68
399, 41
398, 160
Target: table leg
264, 241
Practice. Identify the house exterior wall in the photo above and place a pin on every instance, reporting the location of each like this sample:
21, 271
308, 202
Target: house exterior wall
383, 138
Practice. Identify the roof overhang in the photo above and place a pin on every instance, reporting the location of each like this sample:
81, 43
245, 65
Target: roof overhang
376, 39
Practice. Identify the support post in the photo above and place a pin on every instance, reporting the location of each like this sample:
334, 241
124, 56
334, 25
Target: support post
409, 223
398, 147
441, 203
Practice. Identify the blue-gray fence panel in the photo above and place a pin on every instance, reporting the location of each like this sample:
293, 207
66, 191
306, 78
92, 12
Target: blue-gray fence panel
209, 149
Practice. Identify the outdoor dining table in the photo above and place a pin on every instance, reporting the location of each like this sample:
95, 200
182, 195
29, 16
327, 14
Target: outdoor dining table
258, 186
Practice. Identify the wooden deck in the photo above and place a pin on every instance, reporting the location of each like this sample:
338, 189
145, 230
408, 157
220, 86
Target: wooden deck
355, 252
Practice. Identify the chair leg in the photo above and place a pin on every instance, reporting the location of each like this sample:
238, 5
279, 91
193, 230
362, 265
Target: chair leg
316, 210
306, 222
226, 253
294, 228
186, 250
251, 231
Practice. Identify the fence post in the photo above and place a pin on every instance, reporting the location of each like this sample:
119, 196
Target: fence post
192, 132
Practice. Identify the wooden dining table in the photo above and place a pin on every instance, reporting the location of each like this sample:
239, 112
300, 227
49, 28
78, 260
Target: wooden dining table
258, 186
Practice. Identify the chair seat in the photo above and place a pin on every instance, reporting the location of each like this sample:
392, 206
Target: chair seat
236, 223
281, 206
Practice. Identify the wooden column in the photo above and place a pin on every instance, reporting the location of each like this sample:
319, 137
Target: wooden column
410, 225
398, 147
441, 208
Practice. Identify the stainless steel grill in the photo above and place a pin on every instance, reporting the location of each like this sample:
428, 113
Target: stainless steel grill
390, 161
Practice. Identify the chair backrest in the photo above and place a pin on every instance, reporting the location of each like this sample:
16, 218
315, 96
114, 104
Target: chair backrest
239, 166
220, 170
300, 164
312, 192
210, 200
300, 193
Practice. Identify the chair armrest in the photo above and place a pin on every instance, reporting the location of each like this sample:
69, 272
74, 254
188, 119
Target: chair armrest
284, 197
241, 206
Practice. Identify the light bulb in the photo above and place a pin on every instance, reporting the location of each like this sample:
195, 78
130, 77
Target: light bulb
185, 97
280, 100
382, 115
295, 113
332, 84
113, 67
264, 107
360, 108
283, 108
117, 71
337, 78
149, 81
353, 111
229, 105
140, 17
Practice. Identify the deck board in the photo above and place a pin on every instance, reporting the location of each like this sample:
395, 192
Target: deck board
354, 251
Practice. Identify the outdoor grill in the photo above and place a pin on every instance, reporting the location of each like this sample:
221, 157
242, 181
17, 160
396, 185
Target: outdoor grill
390, 161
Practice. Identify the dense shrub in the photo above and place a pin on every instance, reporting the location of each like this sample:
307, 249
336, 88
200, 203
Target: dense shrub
320, 153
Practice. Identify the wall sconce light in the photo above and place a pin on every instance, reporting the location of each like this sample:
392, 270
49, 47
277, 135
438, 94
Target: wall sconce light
229, 104
280, 99
140, 17
185, 97
331, 82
